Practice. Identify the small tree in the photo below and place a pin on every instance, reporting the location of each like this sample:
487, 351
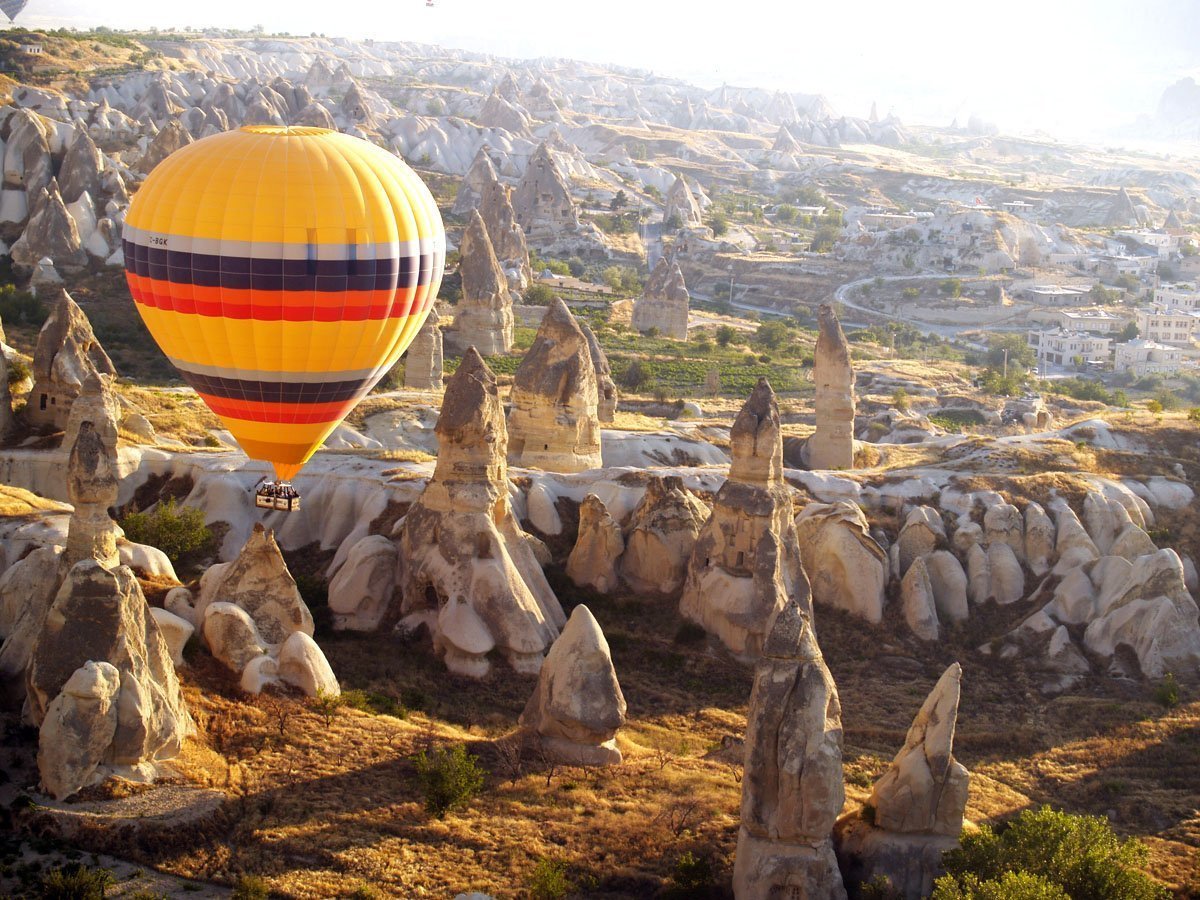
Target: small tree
1130, 332
1155, 407
725, 335
448, 778
718, 222
178, 531
618, 201
900, 399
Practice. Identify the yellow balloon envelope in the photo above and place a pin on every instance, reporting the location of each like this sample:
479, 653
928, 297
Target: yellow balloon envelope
283, 271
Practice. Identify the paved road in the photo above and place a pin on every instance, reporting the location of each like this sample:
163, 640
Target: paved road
946, 331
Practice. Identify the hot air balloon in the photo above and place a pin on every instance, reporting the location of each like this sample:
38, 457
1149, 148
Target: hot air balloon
283, 271
12, 8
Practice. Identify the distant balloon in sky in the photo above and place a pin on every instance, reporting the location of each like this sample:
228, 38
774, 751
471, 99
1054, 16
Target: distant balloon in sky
283, 271
12, 8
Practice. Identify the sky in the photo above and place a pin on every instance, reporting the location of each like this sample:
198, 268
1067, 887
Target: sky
1070, 68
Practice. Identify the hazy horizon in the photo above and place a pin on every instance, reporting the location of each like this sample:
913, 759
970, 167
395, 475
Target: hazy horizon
1070, 69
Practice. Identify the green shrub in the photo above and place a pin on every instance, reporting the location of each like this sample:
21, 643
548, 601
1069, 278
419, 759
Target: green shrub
448, 778
1167, 692
1009, 886
326, 705
74, 881
178, 531
1078, 854
549, 880
250, 887
18, 371
539, 295
1193, 414
21, 307
375, 703
694, 876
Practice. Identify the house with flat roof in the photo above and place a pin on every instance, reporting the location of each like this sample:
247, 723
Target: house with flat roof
1183, 295
1060, 348
1142, 357
1092, 320
1168, 325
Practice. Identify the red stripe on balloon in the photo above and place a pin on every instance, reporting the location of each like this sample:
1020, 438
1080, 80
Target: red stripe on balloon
278, 413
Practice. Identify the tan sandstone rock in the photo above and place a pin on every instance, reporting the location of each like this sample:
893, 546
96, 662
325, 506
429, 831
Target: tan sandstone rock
52, 233
606, 388
923, 532
553, 423
598, 547
362, 591
542, 202
469, 571
66, 356
792, 790
832, 444
746, 563
917, 601
577, 705
483, 318
424, 358
660, 536
92, 478
664, 302
1039, 539
845, 565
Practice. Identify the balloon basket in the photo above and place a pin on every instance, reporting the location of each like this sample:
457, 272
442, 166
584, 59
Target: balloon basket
278, 495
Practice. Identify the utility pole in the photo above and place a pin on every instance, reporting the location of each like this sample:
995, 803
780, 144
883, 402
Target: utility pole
1006, 364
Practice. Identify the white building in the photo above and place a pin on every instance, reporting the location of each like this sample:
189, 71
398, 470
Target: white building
32, 49
1096, 321
1180, 296
1142, 357
1165, 244
1168, 325
1061, 348
1055, 294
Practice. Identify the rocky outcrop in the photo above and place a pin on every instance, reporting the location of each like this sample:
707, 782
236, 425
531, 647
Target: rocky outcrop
1004, 524
577, 705
362, 591
66, 356
598, 547
847, 568
27, 589
949, 583
681, 209
483, 318
923, 532
469, 573
481, 173
542, 201
506, 234
746, 563
174, 136
423, 361
660, 536
664, 302
51, 233
792, 789
101, 617
832, 444
259, 583
918, 805
92, 479
917, 602
81, 168
553, 423
606, 388
1039, 540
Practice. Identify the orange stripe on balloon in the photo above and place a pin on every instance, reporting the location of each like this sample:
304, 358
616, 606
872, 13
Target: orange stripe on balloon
283, 413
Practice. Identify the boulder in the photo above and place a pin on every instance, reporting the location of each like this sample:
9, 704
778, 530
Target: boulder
174, 136
923, 532
606, 388
979, 575
598, 547
1072, 544
1004, 524
846, 566
231, 635
78, 729
1006, 579
302, 665
423, 362
917, 602
1131, 543
660, 536
362, 591
553, 421
176, 631
949, 584
792, 790
27, 589
81, 168
1039, 540
577, 705
746, 563
52, 233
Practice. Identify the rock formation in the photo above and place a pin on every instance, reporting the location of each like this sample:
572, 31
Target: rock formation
506, 234
423, 361
923, 532
481, 173
1039, 540
846, 566
606, 408
66, 356
174, 136
92, 480
832, 444
948, 581
259, 583
468, 570
361, 592
746, 562
792, 789
577, 705
81, 167
681, 208
664, 302
542, 201
598, 546
917, 601
660, 536
918, 804
102, 617
52, 233
553, 423
483, 318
